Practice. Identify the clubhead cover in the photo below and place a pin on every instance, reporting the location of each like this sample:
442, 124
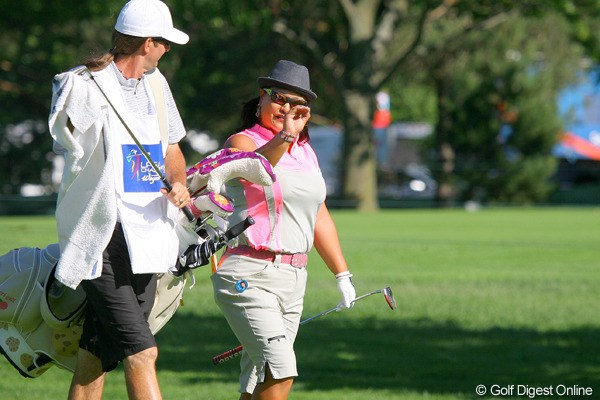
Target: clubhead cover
218, 204
211, 173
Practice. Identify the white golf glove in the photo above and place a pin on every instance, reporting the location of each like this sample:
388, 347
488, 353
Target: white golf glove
346, 288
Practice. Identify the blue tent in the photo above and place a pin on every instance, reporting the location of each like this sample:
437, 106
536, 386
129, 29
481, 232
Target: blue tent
579, 105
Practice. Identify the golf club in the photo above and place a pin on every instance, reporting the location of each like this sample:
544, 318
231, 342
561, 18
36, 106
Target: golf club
198, 255
163, 179
389, 298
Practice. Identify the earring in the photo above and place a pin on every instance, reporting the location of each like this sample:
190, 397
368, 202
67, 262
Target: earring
257, 111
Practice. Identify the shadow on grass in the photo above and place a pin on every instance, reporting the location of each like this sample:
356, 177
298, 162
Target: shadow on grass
393, 355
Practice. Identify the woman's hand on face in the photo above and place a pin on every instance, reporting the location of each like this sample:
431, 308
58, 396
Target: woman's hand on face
295, 119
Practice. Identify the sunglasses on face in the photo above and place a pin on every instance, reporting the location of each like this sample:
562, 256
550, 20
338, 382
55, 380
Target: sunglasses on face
280, 99
162, 41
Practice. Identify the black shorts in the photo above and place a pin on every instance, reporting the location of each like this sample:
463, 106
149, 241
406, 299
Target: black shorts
118, 305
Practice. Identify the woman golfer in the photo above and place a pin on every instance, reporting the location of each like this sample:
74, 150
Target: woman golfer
259, 284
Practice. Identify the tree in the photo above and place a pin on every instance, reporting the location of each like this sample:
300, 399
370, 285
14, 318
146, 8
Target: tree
357, 46
40, 39
492, 68
497, 107
353, 48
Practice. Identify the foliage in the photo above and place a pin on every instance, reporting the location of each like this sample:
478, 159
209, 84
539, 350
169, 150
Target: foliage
40, 39
353, 49
498, 108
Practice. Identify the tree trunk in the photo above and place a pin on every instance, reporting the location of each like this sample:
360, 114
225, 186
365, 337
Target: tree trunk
444, 150
360, 165
445, 193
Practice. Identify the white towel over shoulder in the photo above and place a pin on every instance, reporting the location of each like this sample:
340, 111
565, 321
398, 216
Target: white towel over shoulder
86, 210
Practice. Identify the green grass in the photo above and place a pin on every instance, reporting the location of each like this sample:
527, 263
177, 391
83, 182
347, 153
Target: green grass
498, 296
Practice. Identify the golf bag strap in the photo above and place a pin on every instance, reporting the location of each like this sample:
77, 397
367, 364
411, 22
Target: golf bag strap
158, 91
17, 351
31, 283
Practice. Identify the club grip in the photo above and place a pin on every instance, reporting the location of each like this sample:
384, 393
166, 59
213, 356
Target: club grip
229, 354
188, 214
186, 211
238, 228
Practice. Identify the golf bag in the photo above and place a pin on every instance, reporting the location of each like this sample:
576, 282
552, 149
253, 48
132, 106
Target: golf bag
41, 320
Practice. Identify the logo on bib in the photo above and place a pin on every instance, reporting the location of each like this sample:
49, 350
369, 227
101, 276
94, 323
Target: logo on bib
138, 174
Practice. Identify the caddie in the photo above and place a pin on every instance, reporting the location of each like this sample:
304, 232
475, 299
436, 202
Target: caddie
116, 221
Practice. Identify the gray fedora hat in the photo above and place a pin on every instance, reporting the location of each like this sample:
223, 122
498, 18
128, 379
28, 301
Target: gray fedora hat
288, 75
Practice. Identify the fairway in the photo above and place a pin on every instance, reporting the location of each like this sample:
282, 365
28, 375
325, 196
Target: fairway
496, 297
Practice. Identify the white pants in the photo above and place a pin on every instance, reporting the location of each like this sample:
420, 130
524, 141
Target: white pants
262, 302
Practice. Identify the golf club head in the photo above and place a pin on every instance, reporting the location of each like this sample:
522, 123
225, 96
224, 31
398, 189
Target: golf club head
389, 297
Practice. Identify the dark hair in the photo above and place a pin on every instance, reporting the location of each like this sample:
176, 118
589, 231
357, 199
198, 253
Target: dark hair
122, 45
249, 119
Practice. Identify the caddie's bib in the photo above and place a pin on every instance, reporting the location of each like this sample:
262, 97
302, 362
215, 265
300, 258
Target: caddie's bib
148, 218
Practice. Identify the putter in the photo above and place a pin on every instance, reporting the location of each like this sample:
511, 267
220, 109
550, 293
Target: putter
387, 293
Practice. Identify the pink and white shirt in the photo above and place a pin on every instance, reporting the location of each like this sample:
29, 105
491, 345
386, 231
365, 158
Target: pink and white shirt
284, 213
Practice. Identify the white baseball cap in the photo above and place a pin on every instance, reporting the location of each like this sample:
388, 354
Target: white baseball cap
149, 18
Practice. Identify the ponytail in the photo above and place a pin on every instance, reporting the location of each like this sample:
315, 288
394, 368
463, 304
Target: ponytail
122, 45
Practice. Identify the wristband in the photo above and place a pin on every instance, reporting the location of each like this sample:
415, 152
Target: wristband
287, 137
345, 274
